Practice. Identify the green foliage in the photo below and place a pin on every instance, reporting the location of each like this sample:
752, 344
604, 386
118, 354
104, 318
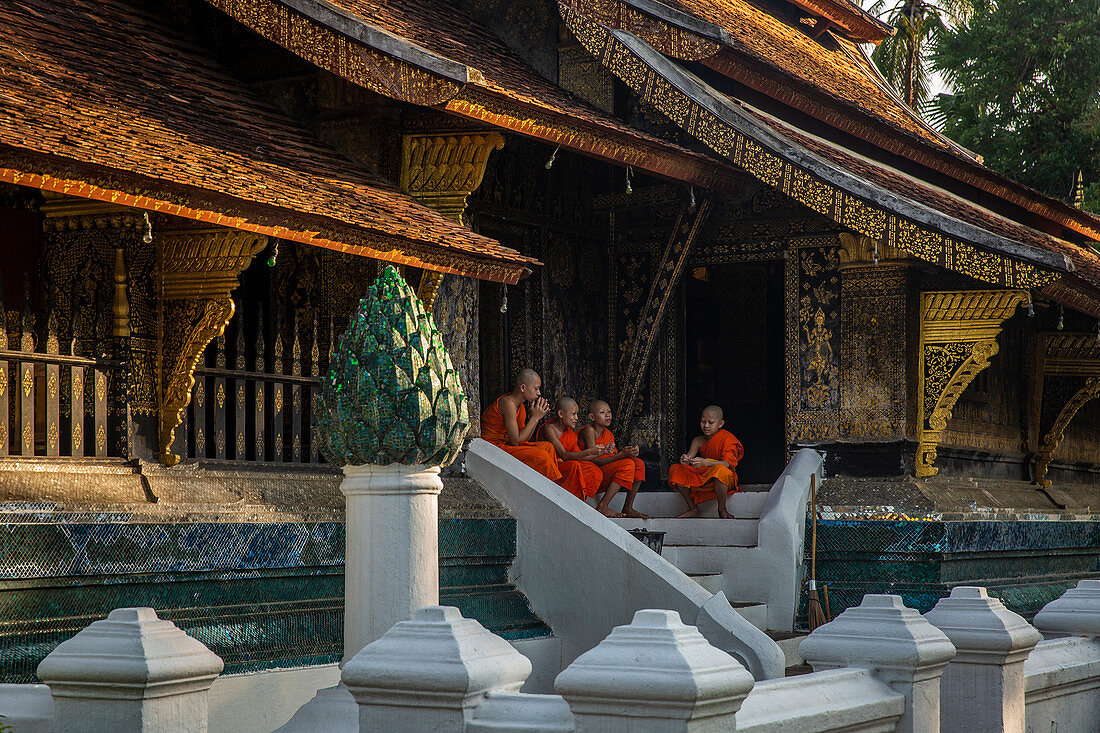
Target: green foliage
4, 727
903, 58
1026, 75
391, 394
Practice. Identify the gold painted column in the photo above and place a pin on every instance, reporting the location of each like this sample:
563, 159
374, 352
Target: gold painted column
197, 271
958, 337
440, 170
874, 333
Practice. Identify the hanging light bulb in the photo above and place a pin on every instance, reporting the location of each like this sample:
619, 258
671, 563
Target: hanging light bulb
1061, 317
629, 172
274, 253
691, 199
148, 236
553, 157
1030, 306
874, 254
504, 301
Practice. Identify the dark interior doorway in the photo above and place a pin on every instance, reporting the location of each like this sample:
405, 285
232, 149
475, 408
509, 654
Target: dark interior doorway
735, 359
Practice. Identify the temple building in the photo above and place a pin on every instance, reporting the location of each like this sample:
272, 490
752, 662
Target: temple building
663, 204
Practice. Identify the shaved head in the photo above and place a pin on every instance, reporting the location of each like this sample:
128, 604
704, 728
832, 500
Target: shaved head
715, 411
565, 403
596, 405
527, 376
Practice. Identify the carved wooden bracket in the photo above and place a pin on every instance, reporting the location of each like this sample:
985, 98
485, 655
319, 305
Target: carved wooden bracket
197, 271
958, 337
440, 170
857, 250
1068, 367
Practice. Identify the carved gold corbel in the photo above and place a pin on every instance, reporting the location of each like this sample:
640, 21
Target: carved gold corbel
197, 271
440, 170
1068, 366
958, 337
858, 251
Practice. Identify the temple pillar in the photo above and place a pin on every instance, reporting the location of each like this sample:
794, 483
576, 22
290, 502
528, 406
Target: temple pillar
1067, 369
197, 270
958, 337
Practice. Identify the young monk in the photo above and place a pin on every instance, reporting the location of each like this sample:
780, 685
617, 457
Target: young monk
621, 467
504, 424
706, 471
579, 476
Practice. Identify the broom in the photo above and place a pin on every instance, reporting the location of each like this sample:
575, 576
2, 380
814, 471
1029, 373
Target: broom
814, 612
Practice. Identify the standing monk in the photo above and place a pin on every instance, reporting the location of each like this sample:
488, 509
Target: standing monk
621, 468
504, 424
579, 476
706, 471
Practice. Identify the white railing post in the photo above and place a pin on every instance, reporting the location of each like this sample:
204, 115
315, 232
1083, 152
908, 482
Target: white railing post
655, 675
983, 686
1075, 613
904, 650
130, 672
430, 673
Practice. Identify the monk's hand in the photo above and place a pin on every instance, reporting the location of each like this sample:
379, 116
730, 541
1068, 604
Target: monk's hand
699, 462
684, 459
539, 408
631, 450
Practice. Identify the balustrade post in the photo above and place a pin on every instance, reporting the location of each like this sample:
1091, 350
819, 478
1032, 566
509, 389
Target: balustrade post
1075, 613
983, 686
130, 672
904, 650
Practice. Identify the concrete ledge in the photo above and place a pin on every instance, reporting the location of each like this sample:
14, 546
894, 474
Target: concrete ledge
836, 700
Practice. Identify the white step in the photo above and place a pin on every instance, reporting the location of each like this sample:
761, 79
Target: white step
755, 613
699, 531
711, 582
742, 505
700, 560
789, 644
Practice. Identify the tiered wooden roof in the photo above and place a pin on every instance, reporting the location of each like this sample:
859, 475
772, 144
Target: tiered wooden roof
103, 101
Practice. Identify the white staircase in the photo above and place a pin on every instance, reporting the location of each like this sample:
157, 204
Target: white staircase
707, 549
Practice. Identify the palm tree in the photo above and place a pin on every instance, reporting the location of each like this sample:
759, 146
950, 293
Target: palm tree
903, 57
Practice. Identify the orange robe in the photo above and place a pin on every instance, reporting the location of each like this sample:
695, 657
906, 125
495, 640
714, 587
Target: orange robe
722, 446
579, 478
625, 471
540, 456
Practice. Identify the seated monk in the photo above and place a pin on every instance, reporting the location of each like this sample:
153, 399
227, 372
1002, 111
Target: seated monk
706, 471
621, 467
579, 476
504, 424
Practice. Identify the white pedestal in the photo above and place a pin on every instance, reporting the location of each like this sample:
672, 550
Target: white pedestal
392, 565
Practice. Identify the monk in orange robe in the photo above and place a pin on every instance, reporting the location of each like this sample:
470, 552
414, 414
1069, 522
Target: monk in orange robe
504, 424
579, 475
621, 467
706, 471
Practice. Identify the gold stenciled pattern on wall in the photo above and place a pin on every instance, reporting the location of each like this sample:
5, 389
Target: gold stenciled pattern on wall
802, 185
872, 352
811, 293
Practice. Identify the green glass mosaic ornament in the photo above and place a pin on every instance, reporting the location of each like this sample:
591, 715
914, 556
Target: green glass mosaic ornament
391, 394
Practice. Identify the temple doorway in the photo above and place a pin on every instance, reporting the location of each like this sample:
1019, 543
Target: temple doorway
735, 352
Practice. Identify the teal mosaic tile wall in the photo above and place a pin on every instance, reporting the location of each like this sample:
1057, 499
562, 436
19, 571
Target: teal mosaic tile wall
259, 595
1026, 564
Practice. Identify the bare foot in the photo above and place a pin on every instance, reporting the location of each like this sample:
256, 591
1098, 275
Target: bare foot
725, 515
693, 512
608, 512
636, 514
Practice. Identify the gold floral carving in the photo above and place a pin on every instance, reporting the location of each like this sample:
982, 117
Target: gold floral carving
197, 271
958, 337
429, 287
441, 170
1057, 432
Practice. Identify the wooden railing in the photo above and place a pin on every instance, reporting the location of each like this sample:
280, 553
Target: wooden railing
57, 404
254, 404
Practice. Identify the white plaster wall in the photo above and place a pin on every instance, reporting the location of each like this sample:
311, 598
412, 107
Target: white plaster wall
545, 657
582, 573
1063, 686
260, 702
